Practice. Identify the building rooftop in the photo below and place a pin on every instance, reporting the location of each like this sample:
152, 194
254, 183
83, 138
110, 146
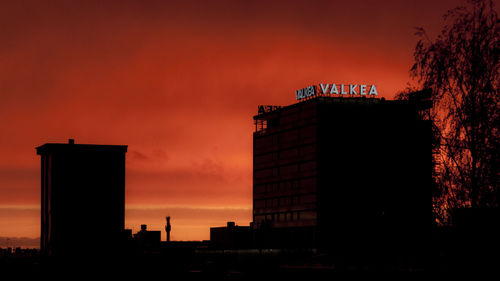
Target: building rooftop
71, 146
421, 99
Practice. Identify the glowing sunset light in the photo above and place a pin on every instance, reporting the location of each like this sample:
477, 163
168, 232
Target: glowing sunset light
178, 82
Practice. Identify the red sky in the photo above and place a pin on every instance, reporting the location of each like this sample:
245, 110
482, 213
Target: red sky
179, 82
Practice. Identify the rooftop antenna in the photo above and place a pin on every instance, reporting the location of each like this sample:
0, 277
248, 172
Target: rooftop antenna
168, 228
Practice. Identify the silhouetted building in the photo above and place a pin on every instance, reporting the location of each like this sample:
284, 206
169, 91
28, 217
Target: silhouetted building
83, 198
231, 236
337, 172
127, 235
147, 240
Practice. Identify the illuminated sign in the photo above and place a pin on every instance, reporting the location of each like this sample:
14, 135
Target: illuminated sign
337, 89
306, 92
267, 108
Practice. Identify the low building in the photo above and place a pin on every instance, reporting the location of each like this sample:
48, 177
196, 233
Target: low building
147, 240
231, 236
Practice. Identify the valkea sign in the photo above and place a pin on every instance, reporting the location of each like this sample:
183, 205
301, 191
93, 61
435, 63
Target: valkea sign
337, 89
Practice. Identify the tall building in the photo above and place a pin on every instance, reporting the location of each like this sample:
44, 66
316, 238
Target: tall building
83, 197
332, 172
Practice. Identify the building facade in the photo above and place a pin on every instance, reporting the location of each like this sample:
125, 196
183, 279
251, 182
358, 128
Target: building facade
82, 199
331, 172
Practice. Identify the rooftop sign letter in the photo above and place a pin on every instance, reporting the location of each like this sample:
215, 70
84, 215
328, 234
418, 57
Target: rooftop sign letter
306, 92
332, 89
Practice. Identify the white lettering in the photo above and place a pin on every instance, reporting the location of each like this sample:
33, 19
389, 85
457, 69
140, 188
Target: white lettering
300, 94
352, 89
342, 89
362, 89
331, 89
305, 92
334, 90
311, 91
324, 89
373, 91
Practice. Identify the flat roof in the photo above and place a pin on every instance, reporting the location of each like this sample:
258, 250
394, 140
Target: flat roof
334, 100
420, 99
71, 147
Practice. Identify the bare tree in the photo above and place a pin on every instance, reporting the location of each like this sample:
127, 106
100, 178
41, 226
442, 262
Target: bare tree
406, 93
461, 66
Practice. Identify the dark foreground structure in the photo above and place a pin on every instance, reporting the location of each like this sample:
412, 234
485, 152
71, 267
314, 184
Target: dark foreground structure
83, 198
340, 185
343, 174
232, 236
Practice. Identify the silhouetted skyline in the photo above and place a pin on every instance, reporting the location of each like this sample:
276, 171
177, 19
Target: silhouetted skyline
177, 82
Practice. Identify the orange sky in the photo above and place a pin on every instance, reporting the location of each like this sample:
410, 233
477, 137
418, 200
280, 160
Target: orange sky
179, 82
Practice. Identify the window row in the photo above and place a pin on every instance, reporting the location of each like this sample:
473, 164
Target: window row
306, 133
284, 186
287, 170
285, 201
287, 154
294, 117
287, 216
